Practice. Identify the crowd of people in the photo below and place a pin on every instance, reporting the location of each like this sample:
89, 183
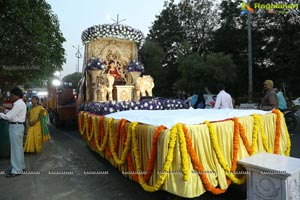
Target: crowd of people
22, 119
273, 99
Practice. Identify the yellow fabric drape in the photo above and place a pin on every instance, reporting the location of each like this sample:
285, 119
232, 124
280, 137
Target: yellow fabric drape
201, 141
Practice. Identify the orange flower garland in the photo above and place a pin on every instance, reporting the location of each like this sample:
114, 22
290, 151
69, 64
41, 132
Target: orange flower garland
81, 122
235, 144
153, 153
199, 167
277, 134
87, 128
90, 130
168, 161
119, 129
220, 155
119, 161
104, 140
245, 139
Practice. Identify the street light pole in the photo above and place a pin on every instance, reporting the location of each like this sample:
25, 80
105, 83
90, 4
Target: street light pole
78, 55
250, 80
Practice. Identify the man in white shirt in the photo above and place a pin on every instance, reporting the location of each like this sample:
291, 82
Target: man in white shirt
224, 99
16, 117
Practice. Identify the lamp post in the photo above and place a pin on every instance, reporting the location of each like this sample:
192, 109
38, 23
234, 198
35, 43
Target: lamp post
250, 81
78, 55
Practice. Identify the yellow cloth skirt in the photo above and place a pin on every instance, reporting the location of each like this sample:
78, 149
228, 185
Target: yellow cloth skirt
34, 139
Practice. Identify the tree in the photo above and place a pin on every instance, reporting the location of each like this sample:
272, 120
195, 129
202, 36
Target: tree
198, 20
73, 78
198, 72
30, 42
152, 55
274, 45
181, 30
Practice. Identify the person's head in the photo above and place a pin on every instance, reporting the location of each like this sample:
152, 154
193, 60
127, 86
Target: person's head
35, 100
268, 84
112, 63
16, 93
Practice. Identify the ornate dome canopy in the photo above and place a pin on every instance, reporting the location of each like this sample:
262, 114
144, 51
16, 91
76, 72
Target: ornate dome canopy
113, 30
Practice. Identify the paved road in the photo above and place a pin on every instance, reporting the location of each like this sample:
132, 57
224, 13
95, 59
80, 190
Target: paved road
68, 153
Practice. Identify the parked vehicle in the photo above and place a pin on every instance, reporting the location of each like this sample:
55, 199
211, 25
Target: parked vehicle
291, 118
296, 102
210, 100
61, 104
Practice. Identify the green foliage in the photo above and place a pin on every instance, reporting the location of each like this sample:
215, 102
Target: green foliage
198, 72
152, 55
73, 78
30, 42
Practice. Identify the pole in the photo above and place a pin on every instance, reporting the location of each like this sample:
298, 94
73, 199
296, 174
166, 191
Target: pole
250, 81
78, 56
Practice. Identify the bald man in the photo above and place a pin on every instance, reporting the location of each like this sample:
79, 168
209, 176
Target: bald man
270, 100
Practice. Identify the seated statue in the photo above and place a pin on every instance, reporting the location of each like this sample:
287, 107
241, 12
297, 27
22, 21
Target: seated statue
116, 72
113, 69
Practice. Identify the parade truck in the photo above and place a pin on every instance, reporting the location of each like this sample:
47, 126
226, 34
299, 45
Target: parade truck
61, 104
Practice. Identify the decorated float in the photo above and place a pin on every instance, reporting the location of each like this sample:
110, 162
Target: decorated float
156, 142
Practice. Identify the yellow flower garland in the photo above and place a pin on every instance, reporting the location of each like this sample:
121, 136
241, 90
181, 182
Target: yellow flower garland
167, 164
184, 153
178, 128
220, 156
92, 129
263, 135
85, 126
256, 121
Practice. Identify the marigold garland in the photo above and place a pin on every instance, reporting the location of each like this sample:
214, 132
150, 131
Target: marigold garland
216, 147
220, 155
119, 130
263, 135
245, 140
277, 134
91, 125
167, 164
131, 168
87, 127
81, 122
101, 147
199, 167
125, 150
256, 125
184, 153
153, 153
235, 143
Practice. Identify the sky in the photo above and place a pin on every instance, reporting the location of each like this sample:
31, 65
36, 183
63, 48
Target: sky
75, 16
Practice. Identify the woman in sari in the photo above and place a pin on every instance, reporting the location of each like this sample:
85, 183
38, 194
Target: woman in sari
37, 130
